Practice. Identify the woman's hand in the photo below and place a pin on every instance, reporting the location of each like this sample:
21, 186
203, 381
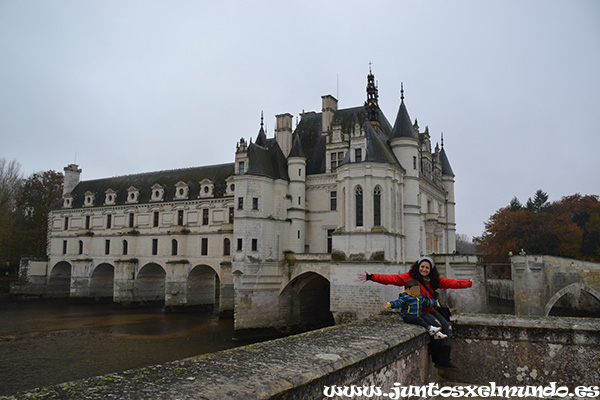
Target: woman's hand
363, 277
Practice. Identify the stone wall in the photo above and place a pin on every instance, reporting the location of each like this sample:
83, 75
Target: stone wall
536, 351
379, 351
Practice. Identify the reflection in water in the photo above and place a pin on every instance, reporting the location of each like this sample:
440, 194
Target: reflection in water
45, 342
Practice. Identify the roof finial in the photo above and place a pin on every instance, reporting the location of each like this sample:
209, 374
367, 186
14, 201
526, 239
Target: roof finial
261, 119
402, 91
370, 67
442, 140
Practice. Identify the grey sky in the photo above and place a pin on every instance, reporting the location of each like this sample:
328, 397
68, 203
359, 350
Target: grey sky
123, 87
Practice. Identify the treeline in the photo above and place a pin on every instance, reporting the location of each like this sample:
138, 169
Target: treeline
568, 228
24, 207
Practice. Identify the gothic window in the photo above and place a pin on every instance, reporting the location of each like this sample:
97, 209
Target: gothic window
174, 247
226, 247
80, 247
358, 195
377, 206
125, 247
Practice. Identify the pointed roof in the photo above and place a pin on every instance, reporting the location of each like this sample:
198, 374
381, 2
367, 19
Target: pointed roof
296, 147
261, 139
446, 168
267, 161
403, 127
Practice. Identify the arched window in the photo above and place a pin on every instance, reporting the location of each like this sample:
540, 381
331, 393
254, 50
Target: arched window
377, 206
226, 247
125, 247
80, 247
358, 195
173, 247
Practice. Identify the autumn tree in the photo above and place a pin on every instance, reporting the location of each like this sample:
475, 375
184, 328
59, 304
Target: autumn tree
41, 192
567, 228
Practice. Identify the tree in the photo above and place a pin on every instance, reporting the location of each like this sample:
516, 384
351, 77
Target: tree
41, 192
539, 202
567, 228
464, 245
11, 182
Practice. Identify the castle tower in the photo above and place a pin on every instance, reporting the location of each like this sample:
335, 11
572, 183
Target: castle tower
448, 183
405, 145
72, 174
330, 106
261, 139
297, 191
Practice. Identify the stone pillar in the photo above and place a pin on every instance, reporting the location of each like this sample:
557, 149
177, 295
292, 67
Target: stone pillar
176, 284
529, 285
80, 278
227, 293
464, 267
124, 287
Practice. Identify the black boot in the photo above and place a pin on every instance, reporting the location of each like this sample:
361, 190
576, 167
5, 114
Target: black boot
443, 359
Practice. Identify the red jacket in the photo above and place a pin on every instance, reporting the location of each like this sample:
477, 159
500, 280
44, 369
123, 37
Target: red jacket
400, 280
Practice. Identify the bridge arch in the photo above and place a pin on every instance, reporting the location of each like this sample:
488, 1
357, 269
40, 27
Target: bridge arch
149, 283
203, 286
304, 303
59, 280
102, 281
572, 288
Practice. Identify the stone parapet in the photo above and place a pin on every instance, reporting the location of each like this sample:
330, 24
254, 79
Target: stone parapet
379, 351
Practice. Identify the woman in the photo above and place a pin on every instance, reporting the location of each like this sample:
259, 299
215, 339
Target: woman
426, 273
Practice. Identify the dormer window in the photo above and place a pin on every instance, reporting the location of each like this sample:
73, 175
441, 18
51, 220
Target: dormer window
132, 195
110, 197
181, 191
230, 188
89, 199
68, 201
158, 193
206, 188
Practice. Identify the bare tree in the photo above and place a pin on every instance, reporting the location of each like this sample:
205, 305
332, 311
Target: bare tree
464, 245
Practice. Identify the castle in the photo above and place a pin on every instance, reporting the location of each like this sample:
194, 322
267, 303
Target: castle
343, 184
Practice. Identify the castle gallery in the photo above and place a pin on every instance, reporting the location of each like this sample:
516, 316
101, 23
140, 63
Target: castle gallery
343, 185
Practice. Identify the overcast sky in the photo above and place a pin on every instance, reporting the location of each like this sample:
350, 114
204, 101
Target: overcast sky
121, 87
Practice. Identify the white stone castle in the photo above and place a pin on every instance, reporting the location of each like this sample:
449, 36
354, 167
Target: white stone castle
343, 184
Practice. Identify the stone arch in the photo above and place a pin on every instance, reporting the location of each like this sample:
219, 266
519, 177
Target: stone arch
149, 283
572, 288
203, 287
304, 302
59, 281
102, 281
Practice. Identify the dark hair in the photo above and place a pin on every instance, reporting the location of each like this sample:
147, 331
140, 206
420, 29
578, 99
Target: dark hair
434, 275
410, 283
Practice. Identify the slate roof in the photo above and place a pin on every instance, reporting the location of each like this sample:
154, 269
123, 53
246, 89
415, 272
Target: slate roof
267, 161
446, 168
403, 127
144, 182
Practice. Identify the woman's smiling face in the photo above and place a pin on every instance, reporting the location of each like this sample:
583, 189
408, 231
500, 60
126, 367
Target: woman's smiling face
425, 268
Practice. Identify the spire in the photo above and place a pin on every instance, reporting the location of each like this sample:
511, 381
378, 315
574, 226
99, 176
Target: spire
403, 127
261, 139
372, 103
296, 147
446, 168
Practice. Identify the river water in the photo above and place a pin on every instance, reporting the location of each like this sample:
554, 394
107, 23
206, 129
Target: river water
45, 342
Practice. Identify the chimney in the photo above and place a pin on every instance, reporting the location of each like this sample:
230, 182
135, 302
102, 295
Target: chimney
72, 173
330, 105
283, 132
